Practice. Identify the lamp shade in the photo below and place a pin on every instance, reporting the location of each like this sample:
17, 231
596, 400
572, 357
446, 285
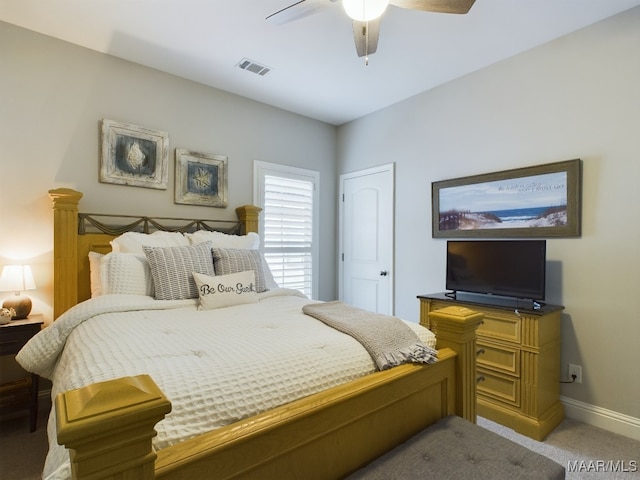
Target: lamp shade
364, 10
17, 278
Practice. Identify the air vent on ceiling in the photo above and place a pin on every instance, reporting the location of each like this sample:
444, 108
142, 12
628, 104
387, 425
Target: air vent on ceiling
251, 66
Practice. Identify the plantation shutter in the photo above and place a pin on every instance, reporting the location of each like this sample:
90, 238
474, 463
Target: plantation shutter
288, 228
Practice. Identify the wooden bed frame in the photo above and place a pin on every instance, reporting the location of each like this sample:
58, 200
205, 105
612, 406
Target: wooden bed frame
108, 426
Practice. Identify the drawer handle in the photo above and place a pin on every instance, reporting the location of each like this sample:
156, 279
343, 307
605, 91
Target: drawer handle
480, 379
480, 351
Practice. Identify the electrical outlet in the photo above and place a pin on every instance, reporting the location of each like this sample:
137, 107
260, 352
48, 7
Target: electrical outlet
577, 371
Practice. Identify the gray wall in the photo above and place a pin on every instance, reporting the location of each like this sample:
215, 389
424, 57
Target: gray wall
54, 95
576, 97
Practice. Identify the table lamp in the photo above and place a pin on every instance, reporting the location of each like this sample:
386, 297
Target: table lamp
17, 278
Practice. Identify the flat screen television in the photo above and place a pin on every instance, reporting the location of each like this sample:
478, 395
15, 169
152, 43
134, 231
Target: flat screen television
509, 268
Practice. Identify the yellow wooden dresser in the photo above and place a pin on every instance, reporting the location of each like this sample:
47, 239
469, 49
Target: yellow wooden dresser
518, 363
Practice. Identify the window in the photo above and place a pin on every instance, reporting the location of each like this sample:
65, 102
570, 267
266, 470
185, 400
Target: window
288, 224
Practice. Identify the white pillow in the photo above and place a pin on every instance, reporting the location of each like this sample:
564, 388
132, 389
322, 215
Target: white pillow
269, 281
95, 259
118, 273
250, 241
132, 242
226, 290
172, 268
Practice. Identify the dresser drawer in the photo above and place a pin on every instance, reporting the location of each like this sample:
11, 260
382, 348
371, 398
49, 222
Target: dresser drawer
500, 387
518, 360
500, 358
502, 326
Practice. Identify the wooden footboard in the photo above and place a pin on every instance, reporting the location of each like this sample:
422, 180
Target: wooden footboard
326, 435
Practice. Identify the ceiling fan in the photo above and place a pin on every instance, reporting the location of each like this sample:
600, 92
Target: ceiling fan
366, 15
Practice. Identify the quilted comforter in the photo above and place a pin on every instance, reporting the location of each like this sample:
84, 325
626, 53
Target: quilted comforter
215, 366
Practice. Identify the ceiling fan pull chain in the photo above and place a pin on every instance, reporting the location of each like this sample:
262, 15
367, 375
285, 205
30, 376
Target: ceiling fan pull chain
365, 32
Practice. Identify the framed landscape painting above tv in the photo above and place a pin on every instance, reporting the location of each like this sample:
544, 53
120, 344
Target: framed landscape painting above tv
538, 201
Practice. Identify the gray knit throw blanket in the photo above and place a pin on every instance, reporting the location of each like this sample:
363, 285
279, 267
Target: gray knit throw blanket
389, 341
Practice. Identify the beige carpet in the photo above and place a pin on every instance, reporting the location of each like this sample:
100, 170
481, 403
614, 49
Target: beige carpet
586, 452
21, 452
583, 446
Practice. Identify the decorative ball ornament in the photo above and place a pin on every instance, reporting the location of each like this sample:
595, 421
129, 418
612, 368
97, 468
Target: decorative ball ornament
21, 304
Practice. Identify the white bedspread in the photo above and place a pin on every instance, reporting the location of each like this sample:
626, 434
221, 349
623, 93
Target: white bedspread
215, 366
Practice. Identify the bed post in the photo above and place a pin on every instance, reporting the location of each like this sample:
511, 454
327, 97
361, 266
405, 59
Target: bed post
248, 216
455, 327
108, 428
65, 248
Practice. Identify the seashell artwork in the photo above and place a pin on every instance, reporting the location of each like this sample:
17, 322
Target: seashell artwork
135, 157
6, 314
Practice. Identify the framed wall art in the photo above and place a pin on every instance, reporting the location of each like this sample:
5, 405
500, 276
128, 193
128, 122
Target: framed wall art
537, 201
201, 179
132, 155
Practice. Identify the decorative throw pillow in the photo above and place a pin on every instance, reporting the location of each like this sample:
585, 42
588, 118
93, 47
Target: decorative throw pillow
231, 260
250, 241
172, 269
226, 290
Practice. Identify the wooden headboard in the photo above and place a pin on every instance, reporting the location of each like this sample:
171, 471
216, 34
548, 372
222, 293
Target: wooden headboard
76, 234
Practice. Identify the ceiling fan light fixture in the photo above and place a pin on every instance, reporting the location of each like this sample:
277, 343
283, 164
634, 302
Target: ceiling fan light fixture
364, 10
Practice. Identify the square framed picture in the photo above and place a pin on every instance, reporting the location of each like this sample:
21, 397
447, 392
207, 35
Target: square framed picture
201, 179
539, 201
133, 155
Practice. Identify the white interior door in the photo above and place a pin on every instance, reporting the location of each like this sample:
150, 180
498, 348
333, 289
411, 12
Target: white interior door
366, 238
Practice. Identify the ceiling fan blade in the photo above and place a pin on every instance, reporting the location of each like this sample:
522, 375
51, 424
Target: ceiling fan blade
440, 6
366, 36
297, 10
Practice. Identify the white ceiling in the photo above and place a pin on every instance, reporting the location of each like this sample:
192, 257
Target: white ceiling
315, 69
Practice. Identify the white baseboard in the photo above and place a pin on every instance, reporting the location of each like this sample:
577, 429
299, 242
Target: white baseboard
602, 418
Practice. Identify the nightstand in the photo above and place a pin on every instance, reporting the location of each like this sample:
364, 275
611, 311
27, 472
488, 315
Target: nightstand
23, 392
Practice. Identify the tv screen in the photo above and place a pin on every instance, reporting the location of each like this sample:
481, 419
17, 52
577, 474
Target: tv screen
511, 268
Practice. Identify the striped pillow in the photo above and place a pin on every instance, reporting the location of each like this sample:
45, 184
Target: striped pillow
231, 260
172, 269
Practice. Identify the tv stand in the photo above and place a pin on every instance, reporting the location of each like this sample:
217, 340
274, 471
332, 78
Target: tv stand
526, 305
537, 305
518, 359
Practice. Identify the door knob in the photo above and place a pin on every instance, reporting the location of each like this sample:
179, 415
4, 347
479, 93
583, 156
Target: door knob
383, 273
